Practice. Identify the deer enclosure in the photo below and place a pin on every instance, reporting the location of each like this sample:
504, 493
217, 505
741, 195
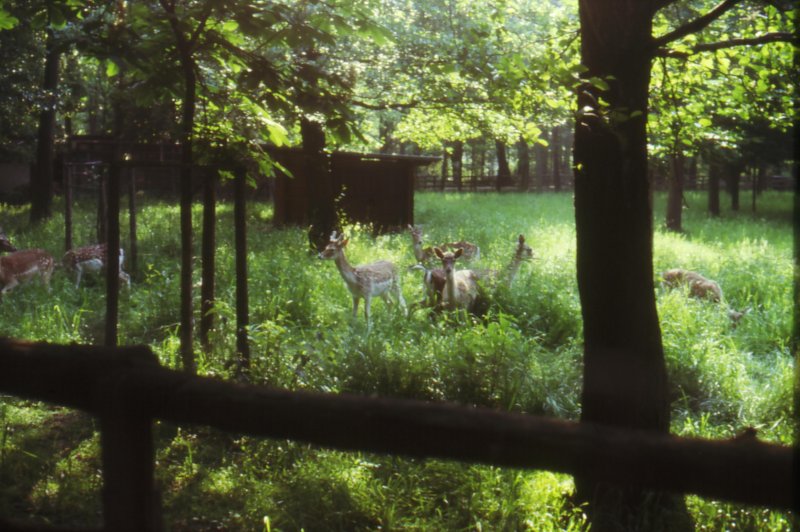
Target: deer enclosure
522, 353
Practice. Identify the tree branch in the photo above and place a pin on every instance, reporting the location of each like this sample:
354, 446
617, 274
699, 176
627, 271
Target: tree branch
697, 24
731, 43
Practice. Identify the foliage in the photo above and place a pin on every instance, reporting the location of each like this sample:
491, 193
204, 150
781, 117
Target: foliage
523, 355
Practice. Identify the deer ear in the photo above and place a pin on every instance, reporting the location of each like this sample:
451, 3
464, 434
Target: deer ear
438, 253
521, 239
458, 252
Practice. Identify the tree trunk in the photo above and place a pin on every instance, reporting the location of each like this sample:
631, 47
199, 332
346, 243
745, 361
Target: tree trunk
458, 168
524, 165
321, 209
732, 179
208, 253
443, 182
503, 170
555, 146
675, 195
42, 178
625, 377
714, 170
540, 157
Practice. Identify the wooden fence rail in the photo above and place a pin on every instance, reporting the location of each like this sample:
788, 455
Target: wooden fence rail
127, 389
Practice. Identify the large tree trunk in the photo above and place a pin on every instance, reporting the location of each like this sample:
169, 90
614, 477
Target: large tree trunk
42, 179
321, 209
625, 378
675, 195
503, 170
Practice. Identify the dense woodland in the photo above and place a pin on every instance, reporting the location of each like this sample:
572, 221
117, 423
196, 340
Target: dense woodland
611, 100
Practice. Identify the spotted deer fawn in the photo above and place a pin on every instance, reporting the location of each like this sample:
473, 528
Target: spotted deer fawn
426, 254
701, 288
366, 281
92, 259
21, 266
461, 287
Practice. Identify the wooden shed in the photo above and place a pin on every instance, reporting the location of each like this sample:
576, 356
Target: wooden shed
369, 188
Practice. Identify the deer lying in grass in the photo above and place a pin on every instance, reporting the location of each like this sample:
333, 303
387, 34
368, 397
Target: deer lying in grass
424, 255
366, 281
92, 259
21, 266
699, 287
461, 287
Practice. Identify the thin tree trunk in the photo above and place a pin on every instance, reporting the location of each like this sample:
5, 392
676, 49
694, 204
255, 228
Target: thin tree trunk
208, 252
503, 170
624, 377
540, 156
445, 157
242, 306
732, 179
42, 179
555, 147
524, 165
675, 195
458, 169
714, 170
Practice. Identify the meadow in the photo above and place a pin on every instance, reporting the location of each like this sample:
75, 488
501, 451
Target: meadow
523, 355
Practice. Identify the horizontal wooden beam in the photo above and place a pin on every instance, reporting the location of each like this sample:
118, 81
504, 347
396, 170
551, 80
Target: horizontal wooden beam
742, 470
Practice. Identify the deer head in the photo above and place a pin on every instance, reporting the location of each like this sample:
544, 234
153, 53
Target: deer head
524, 251
335, 247
5, 243
448, 259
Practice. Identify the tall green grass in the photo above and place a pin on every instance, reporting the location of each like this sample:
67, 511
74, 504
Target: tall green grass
523, 355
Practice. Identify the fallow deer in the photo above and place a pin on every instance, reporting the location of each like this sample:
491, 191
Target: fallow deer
493, 278
701, 288
426, 254
92, 259
5, 243
433, 283
21, 266
461, 287
366, 281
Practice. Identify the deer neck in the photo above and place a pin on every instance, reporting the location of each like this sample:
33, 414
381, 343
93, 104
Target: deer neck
450, 287
347, 272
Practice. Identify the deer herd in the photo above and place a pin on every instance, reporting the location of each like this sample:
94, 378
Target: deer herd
19, 266
447, 288
444, 286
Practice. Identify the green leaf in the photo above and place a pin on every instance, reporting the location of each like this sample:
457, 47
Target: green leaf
6, 20
704, 122
112, 69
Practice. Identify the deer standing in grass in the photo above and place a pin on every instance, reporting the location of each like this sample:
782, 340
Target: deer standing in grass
366, 281
21, 266
92, 259
426, 254
461, 287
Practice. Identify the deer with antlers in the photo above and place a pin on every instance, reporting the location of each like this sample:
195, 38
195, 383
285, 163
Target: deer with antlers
21, 266
92, 259
367, 281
